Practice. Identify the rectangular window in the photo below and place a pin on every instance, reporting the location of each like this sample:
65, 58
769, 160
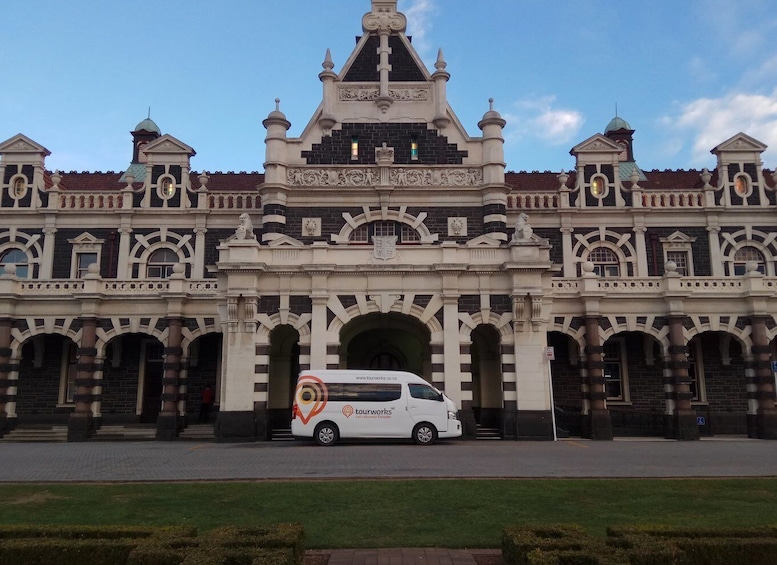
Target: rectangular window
614, 376
680, 258
367, 392
385, 228
83, 260
414, 149
354, 148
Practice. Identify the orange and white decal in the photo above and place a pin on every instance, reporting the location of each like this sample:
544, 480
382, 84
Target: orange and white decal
310, 396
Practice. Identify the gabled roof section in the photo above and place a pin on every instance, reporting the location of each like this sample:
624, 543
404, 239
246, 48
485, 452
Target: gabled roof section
170, 145
20, 143
597, 143
741, 142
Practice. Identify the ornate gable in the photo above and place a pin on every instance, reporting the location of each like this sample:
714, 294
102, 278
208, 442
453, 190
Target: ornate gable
20, 145
740, 143
597, 144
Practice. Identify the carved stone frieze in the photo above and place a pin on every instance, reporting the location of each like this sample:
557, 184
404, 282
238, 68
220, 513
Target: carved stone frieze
370, 176
370, 93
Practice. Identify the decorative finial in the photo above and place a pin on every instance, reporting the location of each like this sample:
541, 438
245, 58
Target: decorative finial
277, 104
616, 109
149, 112
490, 104
328, 64
440, 64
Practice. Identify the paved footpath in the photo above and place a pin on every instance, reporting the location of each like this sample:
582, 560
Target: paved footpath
190, 461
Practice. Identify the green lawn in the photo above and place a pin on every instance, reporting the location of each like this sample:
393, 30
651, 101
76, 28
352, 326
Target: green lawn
403, 513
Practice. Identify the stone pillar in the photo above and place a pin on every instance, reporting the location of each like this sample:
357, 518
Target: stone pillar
597, 423
79, 426
318, 327
683, 425
5, 369
766, 414
168, 421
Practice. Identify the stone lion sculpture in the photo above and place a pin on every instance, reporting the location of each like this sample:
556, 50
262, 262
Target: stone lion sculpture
523, 231
245, 229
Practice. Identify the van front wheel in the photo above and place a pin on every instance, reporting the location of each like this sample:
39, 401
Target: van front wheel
424, 434
326, 434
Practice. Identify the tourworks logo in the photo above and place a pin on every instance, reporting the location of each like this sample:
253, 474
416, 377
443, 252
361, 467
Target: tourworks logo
311, 396
347, 410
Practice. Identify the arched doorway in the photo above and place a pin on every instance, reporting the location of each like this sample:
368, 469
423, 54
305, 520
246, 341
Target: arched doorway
203, 369
283, 371
386, 341
486, 378
567, 384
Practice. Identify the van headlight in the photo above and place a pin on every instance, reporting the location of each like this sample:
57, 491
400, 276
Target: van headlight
452, 415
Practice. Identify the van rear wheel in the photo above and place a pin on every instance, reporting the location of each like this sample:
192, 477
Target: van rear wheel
424, 434
326, 434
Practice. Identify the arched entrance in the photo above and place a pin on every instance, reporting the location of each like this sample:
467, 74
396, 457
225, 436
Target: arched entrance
203, 369
386, 341
486, 378
282, 378
567, 384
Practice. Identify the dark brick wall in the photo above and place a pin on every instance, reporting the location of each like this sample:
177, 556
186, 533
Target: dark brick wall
213, 238
646, 383
300, 304
553, 236
501, 303
120, 384
269, 304
433, 148
63, 251
437, 221
206, 371
38, 390
469, 303
725, 384
567, 382
700, 249
365, 66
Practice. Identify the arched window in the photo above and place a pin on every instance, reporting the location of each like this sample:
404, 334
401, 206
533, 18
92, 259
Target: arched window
19, 258
403, 232
160, 263
606, 263
746, 254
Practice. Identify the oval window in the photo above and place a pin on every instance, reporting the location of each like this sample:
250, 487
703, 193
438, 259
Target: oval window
597, 186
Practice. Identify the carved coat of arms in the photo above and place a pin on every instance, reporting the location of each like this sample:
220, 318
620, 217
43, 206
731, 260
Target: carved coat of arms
385, 247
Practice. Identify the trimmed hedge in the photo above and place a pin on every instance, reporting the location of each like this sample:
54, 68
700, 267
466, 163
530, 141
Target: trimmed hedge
77, 545
640, 545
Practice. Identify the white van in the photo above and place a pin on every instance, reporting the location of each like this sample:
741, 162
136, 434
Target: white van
333, 404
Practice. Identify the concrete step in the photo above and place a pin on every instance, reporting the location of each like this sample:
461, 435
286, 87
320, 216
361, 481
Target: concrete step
282, 434
125, 433
197, 432
36, 434
488, 433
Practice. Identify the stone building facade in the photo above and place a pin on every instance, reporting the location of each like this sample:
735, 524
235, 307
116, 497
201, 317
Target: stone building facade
604, 301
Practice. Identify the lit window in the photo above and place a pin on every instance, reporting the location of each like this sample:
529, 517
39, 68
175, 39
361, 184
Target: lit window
598, 186
414, 149
168, 187
160, 264
354, 148
605, 262
741, 185
745, 255
83, 260
19, 187
614, 375
680, 259
19, 258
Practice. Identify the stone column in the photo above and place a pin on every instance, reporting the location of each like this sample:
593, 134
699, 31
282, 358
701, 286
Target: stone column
79, 425
766, 414
168, 422
318, 327
5, 369
597, 423
683, 425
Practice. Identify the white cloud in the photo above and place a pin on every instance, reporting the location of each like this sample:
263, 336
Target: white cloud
713, 120
419, 22
538, 118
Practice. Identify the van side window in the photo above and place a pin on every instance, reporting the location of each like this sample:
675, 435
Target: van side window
366, 392
424, 392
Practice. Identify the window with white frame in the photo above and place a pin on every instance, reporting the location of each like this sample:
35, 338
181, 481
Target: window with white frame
606, 263
745, 255
404, 232
742, 185
160, 263
67, 386
86, 250
696, 372
19, 187
680, 258
18, 258
615, 376
166, 187
599, 186
83, 260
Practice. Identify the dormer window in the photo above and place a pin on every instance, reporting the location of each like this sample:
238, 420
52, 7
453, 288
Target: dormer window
598, 186
19, 187
167, 187
742, 185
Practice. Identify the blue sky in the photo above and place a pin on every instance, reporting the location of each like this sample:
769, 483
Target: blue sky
78, 75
